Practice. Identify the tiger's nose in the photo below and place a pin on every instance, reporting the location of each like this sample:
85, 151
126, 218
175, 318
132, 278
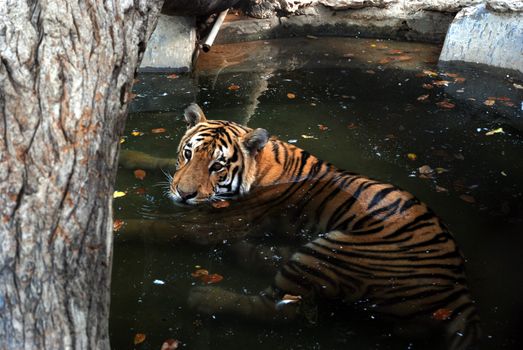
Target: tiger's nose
186, 195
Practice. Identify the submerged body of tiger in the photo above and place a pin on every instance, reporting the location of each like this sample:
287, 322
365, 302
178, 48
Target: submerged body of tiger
374, 243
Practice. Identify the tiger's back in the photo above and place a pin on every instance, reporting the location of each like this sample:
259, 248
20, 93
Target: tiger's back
377, 246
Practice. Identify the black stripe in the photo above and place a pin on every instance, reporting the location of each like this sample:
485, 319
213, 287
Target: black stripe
379, 196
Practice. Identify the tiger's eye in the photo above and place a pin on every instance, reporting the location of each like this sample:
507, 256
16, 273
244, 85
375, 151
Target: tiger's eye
187, 153
217, 167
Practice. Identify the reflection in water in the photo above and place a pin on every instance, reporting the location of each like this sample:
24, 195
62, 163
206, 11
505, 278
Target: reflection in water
374, 121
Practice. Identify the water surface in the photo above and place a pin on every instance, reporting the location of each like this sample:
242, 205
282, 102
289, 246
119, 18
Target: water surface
363, 106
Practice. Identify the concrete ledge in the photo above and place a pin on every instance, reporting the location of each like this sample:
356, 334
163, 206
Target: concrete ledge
371, 22
479, 35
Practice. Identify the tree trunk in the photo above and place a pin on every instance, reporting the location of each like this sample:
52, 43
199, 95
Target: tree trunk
66, 72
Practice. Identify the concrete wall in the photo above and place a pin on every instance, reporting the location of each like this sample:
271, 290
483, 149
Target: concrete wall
171, 46
480, 34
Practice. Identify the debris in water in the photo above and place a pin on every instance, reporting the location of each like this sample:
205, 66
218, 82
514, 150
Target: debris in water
139, 338
118, 194
495, 131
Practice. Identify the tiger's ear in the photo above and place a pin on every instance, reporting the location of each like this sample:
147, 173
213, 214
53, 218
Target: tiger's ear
193, 115
255, 140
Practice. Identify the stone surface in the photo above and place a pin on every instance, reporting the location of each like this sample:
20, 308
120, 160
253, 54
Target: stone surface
505, 5
482, 36
171, 45
390, 22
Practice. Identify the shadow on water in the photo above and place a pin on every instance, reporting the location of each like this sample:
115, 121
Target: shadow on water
372, 107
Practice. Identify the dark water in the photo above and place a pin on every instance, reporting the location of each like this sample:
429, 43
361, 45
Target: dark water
361, 115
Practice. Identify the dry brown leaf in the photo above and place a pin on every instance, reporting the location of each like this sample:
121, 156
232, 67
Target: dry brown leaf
489, 102
404, 58
385, 60
459, 80
423, 97
441, 82
291, 96
233, 87
323, 127
441, 189
158, 130
172, 76
139, 174
139, 338
429, 73
468, 198
441, 314
427, 86
117, 225
395, 52
220, 204
445, 104
199, 273
170, 344
210, 279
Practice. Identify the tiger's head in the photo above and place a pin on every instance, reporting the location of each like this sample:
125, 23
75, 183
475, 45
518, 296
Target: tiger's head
216, 159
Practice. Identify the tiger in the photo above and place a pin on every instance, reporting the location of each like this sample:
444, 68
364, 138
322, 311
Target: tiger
365, 242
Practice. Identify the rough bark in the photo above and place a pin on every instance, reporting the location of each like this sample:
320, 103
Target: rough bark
66, 72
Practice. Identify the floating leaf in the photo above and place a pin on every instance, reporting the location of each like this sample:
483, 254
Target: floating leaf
395, 52
307, 136
489, 102
199, 273
210, 279
426, 170
441, 314
430, 73
122, 140
139, 338
468, 198
459, 80
323, 127
441, 189
441, 170
412, 156
445, 104
441, 82
158, 130
311, 37
495, 131
518, 86
451, 75
137, 133
118, 194
423, 97
290, 297
427, 86
233, 87
291, 96
117, 225
386, 60
172, 76
170, 344
220, 204
404, 58
139, 174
